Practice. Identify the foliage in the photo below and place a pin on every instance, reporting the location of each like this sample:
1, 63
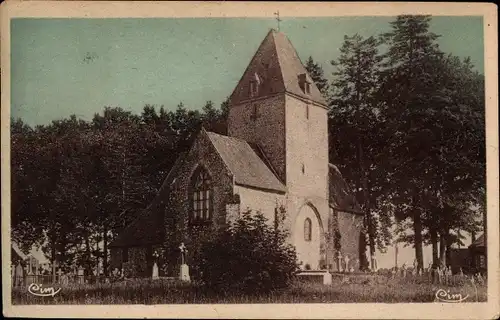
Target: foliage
317, 75
76, 184
407, 130
249, 255
434, 111
355, 112
343, 290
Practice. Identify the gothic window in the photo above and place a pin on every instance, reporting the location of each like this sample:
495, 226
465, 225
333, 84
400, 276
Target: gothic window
201, 196
307, 229
307, 111
303, 169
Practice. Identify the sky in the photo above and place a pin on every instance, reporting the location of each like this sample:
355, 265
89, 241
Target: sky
61, 67
165, 61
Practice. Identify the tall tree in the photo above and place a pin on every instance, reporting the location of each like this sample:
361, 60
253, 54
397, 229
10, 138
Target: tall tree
408, 90
317, 75
354, 113
436, 125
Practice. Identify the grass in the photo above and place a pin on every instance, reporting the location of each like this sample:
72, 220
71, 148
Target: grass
343, 290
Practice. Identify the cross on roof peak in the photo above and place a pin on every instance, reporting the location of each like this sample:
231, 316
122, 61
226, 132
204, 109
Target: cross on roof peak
277, 14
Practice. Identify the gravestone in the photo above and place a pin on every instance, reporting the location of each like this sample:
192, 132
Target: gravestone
184, 271
374, 264
59, 273
346, 262
154, 274
339, 261
18, 274
155, 271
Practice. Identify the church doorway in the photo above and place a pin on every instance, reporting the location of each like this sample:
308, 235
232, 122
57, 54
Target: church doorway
307, 235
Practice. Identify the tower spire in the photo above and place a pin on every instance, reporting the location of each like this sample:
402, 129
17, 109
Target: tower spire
277, 14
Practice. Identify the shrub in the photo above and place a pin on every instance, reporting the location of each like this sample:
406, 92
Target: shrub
248, 256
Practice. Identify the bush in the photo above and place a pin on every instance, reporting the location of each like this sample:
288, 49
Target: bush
248, 256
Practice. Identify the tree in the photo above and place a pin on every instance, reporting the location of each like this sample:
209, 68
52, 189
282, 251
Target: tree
317, 75
354, 112
408, 87
252, 253
434, 111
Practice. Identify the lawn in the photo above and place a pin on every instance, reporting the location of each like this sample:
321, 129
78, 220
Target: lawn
343, 290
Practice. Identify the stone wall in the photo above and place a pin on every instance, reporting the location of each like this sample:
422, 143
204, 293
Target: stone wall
203, 154
266, 127
257, 200
350, 228
306, 149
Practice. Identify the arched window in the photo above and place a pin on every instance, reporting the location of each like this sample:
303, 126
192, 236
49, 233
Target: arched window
201, 196
307, 229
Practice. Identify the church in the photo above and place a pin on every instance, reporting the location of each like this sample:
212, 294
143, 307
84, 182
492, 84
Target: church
274, 156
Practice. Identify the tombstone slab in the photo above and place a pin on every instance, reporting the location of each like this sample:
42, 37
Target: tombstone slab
155, 271
184, 273
327, 278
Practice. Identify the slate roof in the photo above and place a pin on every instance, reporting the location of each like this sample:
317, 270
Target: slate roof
276, 61
18, 251
341, 197
147, 228
479, 243
244, 163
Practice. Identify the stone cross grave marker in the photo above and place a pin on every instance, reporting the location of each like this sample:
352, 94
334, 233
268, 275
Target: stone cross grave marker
346, 261
184, 272
155, 266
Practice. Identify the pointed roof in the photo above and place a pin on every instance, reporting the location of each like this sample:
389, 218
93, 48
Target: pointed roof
278, 67
244, 162
147, 227
18, 251
247, 167
478, 243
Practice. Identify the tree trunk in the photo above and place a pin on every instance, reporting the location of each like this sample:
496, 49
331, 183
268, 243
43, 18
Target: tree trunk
88, 265
442, 249
396, 253
417, 229
435, 247
485, 236
363, 259
53, 256
105, 253
371, 241
97, 260
366, 200
447, 255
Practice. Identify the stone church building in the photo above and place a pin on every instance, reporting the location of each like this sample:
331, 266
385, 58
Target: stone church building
274, 156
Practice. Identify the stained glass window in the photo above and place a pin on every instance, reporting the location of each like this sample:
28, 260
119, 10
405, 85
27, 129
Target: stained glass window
201, 196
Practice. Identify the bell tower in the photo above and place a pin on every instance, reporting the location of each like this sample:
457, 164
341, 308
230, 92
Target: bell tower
277, 106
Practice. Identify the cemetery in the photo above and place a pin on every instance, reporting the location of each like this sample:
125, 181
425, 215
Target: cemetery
402, 284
